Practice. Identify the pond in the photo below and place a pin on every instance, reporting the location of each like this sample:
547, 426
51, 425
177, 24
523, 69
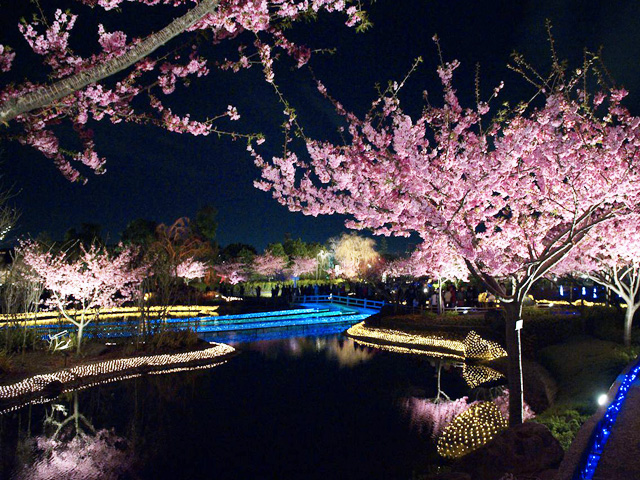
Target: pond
302, 404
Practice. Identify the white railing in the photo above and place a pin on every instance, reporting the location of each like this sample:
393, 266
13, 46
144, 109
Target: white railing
348, 301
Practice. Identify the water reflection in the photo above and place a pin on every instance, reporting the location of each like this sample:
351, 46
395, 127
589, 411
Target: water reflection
346, 352
71, 448
298, 408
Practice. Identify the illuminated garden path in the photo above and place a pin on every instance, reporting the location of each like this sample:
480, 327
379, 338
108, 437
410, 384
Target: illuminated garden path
620, 458
608, 445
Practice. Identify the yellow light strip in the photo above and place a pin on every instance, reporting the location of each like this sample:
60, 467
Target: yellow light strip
38, 383
118, 312
115, 379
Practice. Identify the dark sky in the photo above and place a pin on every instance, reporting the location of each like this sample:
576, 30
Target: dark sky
161, 176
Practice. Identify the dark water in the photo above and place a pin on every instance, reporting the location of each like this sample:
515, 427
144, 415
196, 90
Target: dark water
292, 408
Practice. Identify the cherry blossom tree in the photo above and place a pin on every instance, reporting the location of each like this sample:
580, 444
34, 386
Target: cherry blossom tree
232, 272
512, 196
191, 269
126, 78
301, 265
91, 280
610, 256
268, 264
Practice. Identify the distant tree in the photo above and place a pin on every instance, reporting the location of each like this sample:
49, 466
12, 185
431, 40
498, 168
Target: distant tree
610, 256
205, 223
301, 265
355, 255
277, 249
140, 232
88, 234
93, 279
268, 265
236, 250
232, 272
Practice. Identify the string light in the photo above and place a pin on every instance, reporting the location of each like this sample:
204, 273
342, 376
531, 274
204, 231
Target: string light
473, 346
587, 466
476, 375
45, 317
471, 429
38, 383
120, 378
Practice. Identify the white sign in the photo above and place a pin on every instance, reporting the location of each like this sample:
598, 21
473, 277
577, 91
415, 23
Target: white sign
519, 324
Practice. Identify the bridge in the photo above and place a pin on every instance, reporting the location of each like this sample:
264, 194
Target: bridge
317, 310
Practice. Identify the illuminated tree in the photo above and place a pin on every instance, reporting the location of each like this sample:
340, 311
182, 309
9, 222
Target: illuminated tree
86, 282
301, 265
512, 198
355, 255
125, 79
268, 264
610, 256
232, 272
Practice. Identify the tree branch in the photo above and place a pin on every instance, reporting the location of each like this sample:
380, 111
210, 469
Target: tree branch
47, 95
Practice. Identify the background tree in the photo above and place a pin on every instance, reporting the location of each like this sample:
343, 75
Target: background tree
610, 256
268, 265
355, 255
140, 232
92, 280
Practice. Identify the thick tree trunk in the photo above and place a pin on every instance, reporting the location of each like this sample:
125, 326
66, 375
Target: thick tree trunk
512, 312
628, 322
47, 95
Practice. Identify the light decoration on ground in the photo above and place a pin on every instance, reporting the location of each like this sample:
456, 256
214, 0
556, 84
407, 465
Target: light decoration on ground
38, 383
587, 466
118, 312
473, 346
471, 429
477, 347
476, 375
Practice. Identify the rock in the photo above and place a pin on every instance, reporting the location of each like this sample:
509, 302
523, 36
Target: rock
521, 450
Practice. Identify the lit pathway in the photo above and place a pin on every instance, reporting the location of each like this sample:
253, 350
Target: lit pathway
611, 437
620, 458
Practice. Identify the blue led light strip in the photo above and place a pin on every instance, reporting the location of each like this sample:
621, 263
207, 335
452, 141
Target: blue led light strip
587, 466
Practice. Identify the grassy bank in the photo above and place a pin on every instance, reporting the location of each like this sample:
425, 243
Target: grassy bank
584, 367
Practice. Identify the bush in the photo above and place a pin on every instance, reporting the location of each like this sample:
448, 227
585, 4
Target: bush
11, 339
543, 328
173, 340
563, 423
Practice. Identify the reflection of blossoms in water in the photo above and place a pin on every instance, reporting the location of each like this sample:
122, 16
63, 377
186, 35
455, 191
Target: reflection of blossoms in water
432, 417
347, 353
104, 456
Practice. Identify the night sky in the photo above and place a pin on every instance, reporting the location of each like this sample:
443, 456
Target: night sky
161, 176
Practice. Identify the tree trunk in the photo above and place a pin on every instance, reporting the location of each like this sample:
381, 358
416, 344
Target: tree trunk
80, 329
512, 313
628, 322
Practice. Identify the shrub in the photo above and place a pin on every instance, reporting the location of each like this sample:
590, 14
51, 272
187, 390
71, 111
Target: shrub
173, 340
563, 424
11, 339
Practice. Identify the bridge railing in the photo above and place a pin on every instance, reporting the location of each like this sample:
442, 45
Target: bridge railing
342, 300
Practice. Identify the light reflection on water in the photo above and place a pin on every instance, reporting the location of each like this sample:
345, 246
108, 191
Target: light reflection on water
342, 350
300, 407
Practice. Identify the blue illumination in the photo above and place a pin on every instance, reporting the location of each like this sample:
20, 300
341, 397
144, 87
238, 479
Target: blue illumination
587, 467
595, 294
322, 316
561, 291
584, 291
